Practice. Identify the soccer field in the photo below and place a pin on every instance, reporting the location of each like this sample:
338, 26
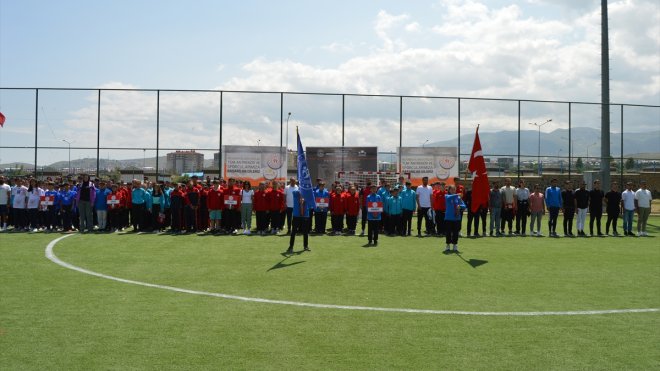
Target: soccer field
235, 302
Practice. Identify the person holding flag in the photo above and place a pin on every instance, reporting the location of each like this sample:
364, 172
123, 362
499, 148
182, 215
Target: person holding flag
304, 201
480, 185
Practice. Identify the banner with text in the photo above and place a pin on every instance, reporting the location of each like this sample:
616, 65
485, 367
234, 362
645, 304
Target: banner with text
440, 164
325, 162
254, 163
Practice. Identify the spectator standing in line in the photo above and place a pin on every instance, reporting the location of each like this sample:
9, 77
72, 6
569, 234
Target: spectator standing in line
613, 208
643, 200
628, 206
582, 206
553, 202
536, 209
596, 199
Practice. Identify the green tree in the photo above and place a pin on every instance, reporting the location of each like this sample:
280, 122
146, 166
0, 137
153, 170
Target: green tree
579, 165
630, 163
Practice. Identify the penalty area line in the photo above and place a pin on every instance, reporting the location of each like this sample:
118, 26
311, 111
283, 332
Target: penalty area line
52, 257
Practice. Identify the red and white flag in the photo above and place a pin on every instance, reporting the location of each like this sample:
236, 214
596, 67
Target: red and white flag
2, 120
477, 166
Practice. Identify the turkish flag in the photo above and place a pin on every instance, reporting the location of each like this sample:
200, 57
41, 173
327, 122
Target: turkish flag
2, 120
477, 166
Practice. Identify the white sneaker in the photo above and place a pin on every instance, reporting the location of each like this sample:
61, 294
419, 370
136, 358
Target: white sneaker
362, 233
248, 232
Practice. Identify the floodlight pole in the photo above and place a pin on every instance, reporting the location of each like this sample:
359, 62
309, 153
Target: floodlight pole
539, 147
69, 143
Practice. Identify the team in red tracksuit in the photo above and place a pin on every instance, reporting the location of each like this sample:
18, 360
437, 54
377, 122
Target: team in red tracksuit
260, 207
439, 206
276, 204
231, 218
116, 203
337, 210
215, 204
177, 204
191, 204
352, 208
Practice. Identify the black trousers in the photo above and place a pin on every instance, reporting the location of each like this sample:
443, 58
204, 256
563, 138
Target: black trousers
289, 216
507, 219
568, 221
364, 217
262, 220
373, 229
594, 215
275, 217
337, 222
320, 221
351, 222
612, 218
406, 221
452, 227
396, 224
300, 226
521, 217
423, 213
440, 221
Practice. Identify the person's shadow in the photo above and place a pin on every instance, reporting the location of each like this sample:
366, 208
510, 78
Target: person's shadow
474, 263
282, 263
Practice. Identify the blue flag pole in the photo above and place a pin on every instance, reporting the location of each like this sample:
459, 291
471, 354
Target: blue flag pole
304, 178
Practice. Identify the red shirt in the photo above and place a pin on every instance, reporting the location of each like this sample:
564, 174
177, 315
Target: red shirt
460, 190
352, 203
214, 200
260, 200
439, 200
337, 206
191, 197
276, 200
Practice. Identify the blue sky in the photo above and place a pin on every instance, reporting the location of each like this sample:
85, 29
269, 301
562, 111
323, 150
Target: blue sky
532, 49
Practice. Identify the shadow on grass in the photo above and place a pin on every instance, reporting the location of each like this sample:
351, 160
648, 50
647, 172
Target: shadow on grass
474, 263
282, 263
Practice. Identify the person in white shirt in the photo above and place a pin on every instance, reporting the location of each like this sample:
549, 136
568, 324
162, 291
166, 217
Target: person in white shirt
19, 194
522, 203
509, 203
643, 205
288, 193
628, 207
5, 197
246, 207
424, 193
34, 194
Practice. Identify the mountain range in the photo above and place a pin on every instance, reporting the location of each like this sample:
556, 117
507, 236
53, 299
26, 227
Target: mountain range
501, 143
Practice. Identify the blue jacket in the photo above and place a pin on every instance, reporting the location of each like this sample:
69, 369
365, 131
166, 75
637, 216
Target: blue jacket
100, 203
455, 207
409, 199
138, 196
394, 205
553, 197
67, 197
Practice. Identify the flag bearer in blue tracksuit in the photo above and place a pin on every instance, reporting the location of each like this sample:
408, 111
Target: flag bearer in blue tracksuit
321, 212
409, 204
300, 221
374, 216
453, 213
395, 209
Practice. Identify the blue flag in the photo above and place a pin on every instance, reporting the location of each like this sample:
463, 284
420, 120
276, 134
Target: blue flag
304, 179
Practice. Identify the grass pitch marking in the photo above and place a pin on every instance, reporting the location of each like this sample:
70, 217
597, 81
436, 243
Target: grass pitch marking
51, 256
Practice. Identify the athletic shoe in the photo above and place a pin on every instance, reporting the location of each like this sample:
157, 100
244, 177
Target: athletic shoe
307, 249
639, 234
289, 251
362, 233
248, 232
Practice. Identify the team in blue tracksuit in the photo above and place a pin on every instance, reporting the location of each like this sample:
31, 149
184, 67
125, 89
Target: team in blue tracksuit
373, 218
321, 213
394, 210
409, 204
553, 201
300, 221
453, 214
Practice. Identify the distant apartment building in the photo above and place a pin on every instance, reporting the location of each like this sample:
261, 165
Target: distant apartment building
185, 162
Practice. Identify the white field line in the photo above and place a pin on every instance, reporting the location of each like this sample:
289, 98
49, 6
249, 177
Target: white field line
50, 255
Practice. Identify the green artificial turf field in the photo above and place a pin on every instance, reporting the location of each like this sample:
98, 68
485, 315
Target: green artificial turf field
52, 317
